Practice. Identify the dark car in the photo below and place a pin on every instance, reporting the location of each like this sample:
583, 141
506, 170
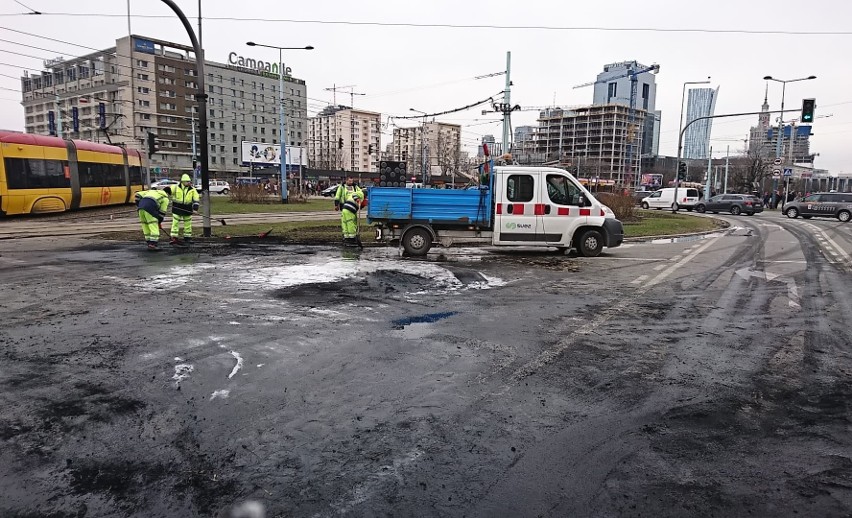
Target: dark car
733, 203
329, 191
822, 204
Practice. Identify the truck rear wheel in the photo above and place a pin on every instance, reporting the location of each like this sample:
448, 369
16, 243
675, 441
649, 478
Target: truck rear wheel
417, 241
590, 243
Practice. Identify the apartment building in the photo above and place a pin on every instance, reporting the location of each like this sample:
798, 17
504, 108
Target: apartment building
432, 148
601, 141
340, 137
147, 85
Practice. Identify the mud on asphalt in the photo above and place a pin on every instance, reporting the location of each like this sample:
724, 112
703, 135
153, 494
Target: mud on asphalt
317, 381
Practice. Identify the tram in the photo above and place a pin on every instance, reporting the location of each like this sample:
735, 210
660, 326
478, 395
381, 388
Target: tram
40, 174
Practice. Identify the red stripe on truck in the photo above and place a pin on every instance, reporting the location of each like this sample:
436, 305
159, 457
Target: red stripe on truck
585, 212
563, 211
539, 209
499, 208
517, 209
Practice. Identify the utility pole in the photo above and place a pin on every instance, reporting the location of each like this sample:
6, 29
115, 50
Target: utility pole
727, 157
507, 111
709, 174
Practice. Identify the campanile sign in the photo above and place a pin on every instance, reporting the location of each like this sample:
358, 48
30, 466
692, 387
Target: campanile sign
254, 64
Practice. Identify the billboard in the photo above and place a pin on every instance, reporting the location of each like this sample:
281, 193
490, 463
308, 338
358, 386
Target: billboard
140, 45
265, 154
652, 181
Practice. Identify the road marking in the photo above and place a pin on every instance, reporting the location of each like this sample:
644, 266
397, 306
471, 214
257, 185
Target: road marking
671, 269
660, 267
639, 280
238, 366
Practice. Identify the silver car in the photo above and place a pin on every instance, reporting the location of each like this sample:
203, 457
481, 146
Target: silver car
822, 204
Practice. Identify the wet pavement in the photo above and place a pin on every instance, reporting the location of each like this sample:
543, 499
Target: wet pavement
703, 377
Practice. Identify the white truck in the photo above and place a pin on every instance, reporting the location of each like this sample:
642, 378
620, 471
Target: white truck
520, 206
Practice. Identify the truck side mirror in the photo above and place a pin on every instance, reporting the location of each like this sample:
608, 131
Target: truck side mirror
581, 201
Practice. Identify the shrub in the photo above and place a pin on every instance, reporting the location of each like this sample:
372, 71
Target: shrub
623, 206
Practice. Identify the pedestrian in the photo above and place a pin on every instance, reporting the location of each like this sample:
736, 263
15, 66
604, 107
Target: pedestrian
347, 200
184, 203
151, 207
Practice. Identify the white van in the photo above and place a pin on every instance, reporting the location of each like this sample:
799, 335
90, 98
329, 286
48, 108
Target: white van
687, 198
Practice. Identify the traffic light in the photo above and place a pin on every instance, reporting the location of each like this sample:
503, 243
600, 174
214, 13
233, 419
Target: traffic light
681, 171
808, 106
370, 150
153, 145
340, 143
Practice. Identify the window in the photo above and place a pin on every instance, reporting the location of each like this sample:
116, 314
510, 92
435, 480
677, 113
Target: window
142, 89
168, 106
142, 64
234, 149
233, 127
213, 158
145, 116
221, 125
189, 72
191, 84
235, 138
612, 90
71, 73
646, 89
24, 173
167, 80
562, 191
519, 188
221, 149
166, 68
143, 77
235, 160
146, 104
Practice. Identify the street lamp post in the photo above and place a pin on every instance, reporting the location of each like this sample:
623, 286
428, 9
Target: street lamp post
422, 147
282, 127
779, 140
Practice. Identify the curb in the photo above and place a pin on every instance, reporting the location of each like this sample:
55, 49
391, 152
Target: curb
645, 239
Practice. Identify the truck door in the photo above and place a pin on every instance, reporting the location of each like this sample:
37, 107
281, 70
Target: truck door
563, 209
517, 197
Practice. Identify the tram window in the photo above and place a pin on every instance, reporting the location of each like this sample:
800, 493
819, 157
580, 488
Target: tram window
55, 172
90, 174
135, 175
17, 171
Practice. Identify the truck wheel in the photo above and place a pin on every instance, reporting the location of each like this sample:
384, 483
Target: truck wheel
590, 243
645, 205
417, 241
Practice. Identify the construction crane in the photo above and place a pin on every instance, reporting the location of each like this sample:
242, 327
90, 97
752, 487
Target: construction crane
352, 93
633, 74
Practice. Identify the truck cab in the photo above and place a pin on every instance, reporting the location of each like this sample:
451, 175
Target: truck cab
549, 207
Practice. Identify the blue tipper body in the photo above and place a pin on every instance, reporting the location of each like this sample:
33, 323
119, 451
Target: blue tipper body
445, 207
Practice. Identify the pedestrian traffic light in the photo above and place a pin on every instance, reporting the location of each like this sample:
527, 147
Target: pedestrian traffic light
681, 171
153, 145
340, 143
808, 106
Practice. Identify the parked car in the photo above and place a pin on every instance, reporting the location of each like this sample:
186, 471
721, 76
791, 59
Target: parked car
641, 195
328, 192
216, 187
687, 197
733, 203
822, 204
159, 184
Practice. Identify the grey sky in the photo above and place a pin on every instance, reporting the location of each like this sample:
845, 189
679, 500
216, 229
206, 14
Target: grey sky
432, 68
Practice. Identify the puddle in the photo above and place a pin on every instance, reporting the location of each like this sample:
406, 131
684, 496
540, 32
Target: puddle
419, 326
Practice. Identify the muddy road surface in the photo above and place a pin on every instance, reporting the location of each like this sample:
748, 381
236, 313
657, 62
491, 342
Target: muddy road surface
701, 377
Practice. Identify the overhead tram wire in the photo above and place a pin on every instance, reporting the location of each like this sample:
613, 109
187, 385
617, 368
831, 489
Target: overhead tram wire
456, 26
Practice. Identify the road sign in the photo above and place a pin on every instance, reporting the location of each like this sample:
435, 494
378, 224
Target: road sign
777, 161
788, 171
776, 173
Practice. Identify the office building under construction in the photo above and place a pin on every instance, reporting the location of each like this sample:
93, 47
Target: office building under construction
602, 141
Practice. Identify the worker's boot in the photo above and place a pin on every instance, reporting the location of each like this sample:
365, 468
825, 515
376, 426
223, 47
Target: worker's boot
152, 245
